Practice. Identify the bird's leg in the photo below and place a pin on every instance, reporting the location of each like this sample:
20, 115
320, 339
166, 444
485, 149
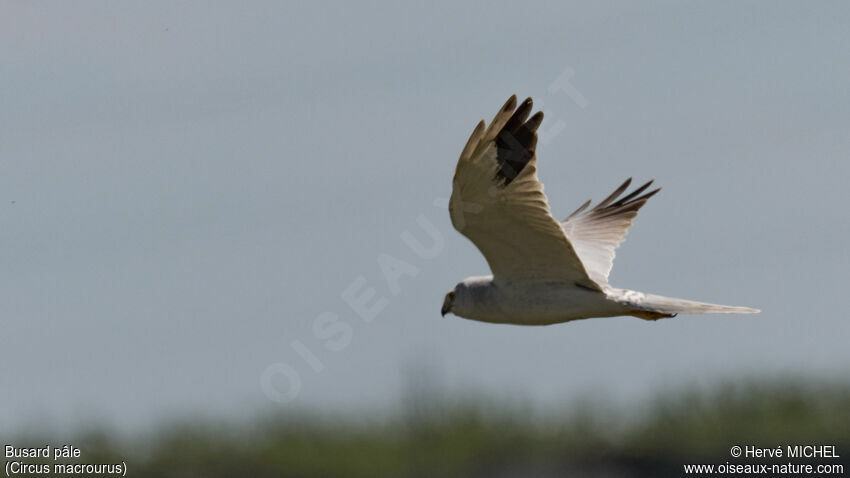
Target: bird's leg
650, 315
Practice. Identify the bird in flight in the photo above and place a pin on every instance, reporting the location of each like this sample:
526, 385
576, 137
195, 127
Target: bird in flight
544, 271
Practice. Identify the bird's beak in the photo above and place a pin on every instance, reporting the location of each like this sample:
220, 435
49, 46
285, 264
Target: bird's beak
447, 303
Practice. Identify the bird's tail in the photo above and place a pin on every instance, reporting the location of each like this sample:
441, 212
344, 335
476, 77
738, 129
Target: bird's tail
650, 306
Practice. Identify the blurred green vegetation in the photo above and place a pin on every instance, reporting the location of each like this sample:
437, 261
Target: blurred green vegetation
466, 438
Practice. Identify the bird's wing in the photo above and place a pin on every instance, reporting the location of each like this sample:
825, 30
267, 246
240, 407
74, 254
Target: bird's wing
596, 233
498, 202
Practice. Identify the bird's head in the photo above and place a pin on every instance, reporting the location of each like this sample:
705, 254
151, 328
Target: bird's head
465, 298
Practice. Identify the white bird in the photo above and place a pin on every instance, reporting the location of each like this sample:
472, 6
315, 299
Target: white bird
544, 271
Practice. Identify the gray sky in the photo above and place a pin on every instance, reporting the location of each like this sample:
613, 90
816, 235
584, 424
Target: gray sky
186, 187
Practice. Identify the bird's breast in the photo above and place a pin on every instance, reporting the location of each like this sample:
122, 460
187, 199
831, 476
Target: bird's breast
540, 303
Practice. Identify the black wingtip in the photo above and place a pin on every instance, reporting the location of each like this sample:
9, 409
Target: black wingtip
613, 196
651, 193
578, 211
634, 193
534, 122
520, 115
614, 204
510, 104
517, 140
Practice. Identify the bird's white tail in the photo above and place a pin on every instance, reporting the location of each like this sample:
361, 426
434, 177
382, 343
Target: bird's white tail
651, 306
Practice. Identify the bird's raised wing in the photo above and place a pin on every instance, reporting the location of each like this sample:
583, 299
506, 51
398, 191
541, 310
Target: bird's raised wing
498, 202
596, 234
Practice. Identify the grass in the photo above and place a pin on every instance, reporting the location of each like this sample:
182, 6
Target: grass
462, 439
